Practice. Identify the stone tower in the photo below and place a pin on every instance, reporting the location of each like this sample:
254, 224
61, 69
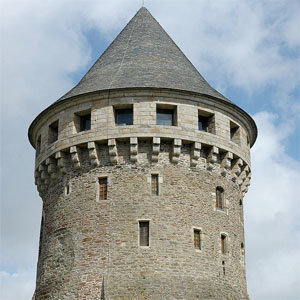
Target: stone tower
142, 168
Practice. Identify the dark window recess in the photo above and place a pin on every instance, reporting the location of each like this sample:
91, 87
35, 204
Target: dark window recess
67, 189
154, 184
102, 188
165, 117
38, 145
144, 233
234, 132
41, 235
197, 239
124, 116
203, 123
219, 198
85, 122
223, 264
53, 132
224, 244
241, 202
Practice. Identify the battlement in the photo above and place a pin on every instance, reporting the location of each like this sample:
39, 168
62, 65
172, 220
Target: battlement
210, 138
127, 151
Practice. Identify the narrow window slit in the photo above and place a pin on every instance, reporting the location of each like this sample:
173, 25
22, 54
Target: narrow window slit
223, 243
197, 239
103, 188
144, 233
223, 264
154, 184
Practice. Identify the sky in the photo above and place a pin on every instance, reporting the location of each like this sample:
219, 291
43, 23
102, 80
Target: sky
246, 49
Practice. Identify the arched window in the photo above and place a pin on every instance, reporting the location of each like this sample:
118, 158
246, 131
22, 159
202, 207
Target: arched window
220, 198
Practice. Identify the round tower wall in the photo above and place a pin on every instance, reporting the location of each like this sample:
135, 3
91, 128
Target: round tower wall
89, 241
90, 246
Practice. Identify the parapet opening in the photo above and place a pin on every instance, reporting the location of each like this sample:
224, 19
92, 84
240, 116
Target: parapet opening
206, 121
82, 120
235, 133
53, 132
123, 115
166, 115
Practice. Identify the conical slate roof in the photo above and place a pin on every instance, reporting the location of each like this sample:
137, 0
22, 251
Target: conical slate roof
143, 56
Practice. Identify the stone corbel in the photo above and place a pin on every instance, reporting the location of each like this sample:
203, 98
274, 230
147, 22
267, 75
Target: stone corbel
93, 153
61, 161
155, 148
243, 175
112, 151
212, 157
176, 150
133, 149
75, 156
226, 159
37, 177
44, 173
51, 167
236, 168
195, 153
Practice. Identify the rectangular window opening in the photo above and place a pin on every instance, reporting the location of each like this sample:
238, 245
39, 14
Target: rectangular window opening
85, 122
103, 188
234, 133
124, 116
219, 198
154, 184
53, 132
144, 233
197, 239
166, 116
224, 244
206, 121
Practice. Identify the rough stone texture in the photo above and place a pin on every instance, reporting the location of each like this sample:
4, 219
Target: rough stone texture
89, 247
86, 241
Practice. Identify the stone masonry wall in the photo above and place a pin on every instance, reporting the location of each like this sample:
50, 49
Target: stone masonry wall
90, 247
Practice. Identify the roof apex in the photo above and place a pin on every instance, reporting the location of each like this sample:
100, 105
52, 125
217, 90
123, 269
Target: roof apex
143, 56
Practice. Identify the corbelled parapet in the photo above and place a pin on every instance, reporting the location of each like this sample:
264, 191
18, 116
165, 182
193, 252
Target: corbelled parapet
142, 168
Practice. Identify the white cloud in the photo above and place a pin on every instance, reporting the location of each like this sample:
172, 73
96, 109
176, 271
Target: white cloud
241, 44
271, 216
17, 286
